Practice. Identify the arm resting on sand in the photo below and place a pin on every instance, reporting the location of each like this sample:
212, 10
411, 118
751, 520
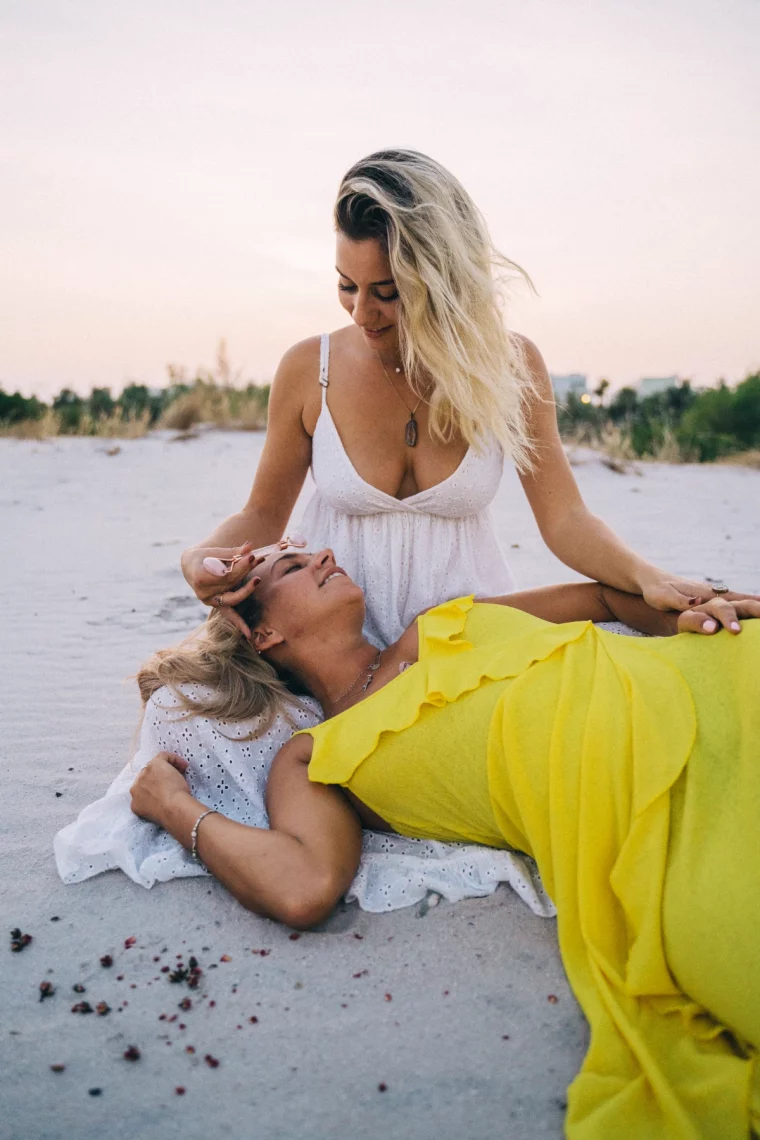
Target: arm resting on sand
295, 872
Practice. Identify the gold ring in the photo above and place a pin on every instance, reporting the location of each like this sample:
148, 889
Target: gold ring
217, 600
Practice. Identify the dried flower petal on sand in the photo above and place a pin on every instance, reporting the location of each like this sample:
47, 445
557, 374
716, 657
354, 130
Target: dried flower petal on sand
102, 1008
129, 942
82, 1007
19, 941
106, 961
131, 1053
78, 988
57, 1068
212, 1062
47, 989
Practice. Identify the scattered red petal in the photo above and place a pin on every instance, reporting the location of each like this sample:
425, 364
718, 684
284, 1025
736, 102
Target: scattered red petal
552, 999
180, 1090
186, 1003
162, 1017
225, 958
359, 936
361, 974
129, 941
81, 1007
47, 989
156, 957
189, 1048
78, 988
212, 1004
212, 1062
119, 977
253, 1020
505, 1037
181, 1026
382, 1087
131, 1053
102, 1008
19, 941
294, 936
57, 1068
389, 997
106, 961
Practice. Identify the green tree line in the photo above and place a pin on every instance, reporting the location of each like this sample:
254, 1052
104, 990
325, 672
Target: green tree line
702, 425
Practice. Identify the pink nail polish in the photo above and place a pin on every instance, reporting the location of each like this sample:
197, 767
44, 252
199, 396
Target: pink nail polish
735, 625
709, 625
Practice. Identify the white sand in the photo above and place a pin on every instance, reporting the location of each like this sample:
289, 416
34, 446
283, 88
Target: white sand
91, 585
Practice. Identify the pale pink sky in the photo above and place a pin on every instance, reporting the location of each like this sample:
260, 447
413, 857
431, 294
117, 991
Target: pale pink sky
168, 168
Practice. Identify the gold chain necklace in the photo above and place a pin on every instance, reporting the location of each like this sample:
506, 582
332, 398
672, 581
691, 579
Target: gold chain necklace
410, 431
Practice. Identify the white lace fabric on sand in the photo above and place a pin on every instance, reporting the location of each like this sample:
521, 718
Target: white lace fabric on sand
229, 773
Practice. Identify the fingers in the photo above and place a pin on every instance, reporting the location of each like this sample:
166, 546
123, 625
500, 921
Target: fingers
696, 621
235, 597
177, 762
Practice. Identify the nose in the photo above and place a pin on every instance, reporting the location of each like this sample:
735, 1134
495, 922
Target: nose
322, 558
362, 312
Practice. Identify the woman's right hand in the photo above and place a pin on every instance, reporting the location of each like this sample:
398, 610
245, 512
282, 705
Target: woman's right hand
222, 590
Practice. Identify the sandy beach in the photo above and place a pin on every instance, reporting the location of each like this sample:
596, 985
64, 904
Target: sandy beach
452, 1022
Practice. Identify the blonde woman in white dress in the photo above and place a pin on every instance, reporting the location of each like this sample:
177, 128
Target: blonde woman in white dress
406, 415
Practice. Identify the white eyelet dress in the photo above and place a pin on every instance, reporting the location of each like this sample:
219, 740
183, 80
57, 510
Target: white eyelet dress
406, 554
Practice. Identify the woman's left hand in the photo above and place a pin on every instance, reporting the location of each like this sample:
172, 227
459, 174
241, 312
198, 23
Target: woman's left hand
676, 593
160, 781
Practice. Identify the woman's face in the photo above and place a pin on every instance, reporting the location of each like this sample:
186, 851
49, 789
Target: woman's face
300, 592
367, 290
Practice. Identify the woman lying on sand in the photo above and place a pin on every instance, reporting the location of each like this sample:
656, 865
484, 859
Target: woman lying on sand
405, 417
629, 769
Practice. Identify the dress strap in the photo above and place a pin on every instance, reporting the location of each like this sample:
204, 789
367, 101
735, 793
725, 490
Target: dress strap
324, 361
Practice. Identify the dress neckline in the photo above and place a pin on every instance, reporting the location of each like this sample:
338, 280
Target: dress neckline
377, 490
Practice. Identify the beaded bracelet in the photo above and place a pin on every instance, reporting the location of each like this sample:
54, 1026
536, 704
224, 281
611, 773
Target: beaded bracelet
194, 836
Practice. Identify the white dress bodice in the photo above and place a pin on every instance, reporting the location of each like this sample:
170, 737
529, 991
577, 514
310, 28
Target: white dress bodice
406, 554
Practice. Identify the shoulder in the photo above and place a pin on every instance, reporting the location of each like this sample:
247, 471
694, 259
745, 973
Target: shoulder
301, 359
295, 752
532, 357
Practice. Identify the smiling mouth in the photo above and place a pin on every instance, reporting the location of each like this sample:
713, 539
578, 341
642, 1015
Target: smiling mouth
334, 574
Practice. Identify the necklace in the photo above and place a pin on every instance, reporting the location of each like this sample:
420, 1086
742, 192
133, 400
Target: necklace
410, 431
370, 671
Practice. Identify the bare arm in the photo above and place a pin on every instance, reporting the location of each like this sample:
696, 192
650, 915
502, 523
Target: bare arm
279, 477
295, 872
576, 536
591, 601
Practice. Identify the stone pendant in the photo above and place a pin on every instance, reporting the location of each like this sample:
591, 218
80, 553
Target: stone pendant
410, 435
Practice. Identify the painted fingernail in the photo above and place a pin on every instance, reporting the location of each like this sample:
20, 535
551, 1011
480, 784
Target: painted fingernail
256, 581
694, 601
710, 625
735, 625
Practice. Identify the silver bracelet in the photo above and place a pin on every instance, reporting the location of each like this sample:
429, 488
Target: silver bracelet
194, 835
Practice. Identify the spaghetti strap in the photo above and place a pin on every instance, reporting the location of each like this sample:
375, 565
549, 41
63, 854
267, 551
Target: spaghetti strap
324, 363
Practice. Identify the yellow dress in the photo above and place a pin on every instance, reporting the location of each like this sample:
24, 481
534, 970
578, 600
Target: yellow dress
630, 770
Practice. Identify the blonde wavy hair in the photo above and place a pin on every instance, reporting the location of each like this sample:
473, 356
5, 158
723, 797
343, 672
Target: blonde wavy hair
451, 284
243, 686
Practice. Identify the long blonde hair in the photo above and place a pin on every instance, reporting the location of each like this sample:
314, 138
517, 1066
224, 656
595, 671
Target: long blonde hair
243, 685
450, 282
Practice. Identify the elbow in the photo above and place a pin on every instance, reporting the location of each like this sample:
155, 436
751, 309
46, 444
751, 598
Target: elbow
311, 903
301, 906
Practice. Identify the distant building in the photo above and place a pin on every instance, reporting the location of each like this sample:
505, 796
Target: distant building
650, 385
563, 385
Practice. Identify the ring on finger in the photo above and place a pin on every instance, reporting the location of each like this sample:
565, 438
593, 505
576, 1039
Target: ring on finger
719, 587
218, 600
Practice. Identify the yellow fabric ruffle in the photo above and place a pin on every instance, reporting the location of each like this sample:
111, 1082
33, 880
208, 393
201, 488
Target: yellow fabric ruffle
589, 734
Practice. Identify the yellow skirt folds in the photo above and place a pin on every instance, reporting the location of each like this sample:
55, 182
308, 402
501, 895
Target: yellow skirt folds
630, 770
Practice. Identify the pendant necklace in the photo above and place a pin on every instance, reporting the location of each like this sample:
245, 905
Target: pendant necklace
410, 431
368, 671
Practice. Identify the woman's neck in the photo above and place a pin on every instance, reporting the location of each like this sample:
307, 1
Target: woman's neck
334, 668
